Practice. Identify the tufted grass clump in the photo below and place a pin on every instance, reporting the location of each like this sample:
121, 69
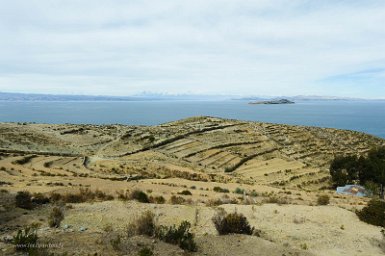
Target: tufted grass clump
55, 218
185, 193
220, 190
139, 196
323, 200
144, 225
23, 200
232, 223
26, 240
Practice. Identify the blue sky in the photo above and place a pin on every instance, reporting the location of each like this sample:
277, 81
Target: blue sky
241, 47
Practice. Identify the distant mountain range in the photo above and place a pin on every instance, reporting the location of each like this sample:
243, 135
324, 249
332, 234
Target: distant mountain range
6, 96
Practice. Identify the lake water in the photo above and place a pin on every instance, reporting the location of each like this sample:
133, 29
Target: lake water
365, 116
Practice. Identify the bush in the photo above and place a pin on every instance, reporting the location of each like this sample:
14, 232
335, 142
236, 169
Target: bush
55, 197
323, 200
220, 201
145, 252
276, 200
73, 198
229, 168
343, 170
55, 217
177, 200
145, 225
180, 236
185, 192
100, 195
232, 223
221, 190
123, 195
39, 198
23, 200
26, 240
239, 191
351, 169
373, 213
24, 160
82, 196
139, 196
48, 164
157, 199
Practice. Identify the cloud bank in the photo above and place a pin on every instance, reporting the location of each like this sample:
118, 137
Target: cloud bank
243, 47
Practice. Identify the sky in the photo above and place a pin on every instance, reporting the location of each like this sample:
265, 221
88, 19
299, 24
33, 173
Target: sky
226, 47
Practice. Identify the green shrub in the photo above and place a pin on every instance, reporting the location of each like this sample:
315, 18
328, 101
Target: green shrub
180, 236
25, 240
253, 193
323, 200
185, 192
239, 191
145, 225
23, 200
229, 168
373, 213
343, 170
221, 190
116, 242
232, 223
145, 252
55, 217
48, 164
139, 196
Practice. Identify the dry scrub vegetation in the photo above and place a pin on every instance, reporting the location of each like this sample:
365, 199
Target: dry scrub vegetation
199, 186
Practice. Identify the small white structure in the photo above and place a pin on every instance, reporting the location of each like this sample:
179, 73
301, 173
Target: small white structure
354, 190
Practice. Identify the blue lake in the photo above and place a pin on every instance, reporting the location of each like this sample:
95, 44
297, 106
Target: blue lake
365, 116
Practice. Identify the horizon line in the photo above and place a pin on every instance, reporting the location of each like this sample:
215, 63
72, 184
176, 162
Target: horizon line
148, 94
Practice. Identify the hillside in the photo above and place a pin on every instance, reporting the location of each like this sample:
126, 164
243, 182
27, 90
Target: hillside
260, 164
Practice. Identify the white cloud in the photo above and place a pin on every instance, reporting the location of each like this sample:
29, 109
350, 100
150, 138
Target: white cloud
239, 47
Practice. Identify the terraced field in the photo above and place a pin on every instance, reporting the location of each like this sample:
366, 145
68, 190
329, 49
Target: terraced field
246, 152
273, 174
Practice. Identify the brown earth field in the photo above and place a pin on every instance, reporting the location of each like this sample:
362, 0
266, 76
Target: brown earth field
190, 170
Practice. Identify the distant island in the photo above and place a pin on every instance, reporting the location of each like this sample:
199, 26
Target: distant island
279, 101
